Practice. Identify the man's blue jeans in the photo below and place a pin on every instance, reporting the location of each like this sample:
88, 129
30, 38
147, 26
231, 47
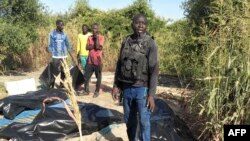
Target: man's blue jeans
134, 103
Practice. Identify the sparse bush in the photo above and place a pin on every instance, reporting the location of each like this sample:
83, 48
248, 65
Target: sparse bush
13, 42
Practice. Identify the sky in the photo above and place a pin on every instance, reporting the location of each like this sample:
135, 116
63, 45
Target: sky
168, 9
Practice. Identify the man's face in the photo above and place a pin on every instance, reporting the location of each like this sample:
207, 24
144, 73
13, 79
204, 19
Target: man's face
139, 25
95, 29
84, 29
60, 26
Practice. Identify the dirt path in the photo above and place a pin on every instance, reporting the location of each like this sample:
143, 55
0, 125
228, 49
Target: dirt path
169, 90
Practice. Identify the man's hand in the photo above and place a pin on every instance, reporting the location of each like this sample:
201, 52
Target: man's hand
151, 103
74, 61
95, 37
115, 93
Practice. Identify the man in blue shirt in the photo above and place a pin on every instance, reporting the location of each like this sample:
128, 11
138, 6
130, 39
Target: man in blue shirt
59, 47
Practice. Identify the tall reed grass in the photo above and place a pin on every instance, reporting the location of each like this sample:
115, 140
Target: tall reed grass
224, 97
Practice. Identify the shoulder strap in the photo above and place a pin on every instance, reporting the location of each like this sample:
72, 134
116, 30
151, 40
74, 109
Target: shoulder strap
125, 40
146, 40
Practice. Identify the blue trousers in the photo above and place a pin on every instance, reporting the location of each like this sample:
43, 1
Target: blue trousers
135, 109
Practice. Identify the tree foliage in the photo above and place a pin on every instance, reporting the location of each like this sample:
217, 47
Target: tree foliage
19, 21
21, 11
30, 15
115, 24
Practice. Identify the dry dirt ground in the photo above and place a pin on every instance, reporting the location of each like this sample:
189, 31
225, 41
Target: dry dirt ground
168, 89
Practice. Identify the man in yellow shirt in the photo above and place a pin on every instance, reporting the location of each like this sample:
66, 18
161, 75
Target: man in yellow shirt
82, 53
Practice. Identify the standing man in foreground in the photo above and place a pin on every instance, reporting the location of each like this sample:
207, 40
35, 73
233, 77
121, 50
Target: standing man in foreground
94, 45
136, 77
59, 47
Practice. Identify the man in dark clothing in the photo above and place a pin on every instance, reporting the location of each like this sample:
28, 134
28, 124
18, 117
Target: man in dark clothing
136, 76
94, 45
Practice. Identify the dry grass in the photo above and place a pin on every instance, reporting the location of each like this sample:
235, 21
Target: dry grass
71, 95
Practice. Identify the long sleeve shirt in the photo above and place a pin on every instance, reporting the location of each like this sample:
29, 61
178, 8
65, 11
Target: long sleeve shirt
58, 44
153, 69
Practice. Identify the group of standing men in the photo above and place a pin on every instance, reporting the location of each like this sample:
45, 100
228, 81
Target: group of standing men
89, 53
136, 73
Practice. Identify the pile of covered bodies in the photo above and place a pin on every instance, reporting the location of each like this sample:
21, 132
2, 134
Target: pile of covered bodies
25, 119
